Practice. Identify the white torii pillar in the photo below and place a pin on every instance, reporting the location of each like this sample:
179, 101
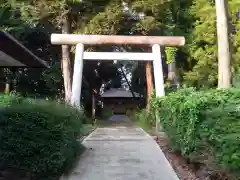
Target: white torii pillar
77, 76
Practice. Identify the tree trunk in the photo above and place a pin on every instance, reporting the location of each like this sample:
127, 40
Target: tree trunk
66, 62
149, 84
172, 74
224, 57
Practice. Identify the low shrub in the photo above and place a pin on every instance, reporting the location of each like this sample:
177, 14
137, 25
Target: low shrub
142, 118
203, 125
39, 137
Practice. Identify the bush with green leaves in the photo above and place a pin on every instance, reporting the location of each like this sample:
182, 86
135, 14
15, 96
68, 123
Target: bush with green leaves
143, 118
39, 137
203, 125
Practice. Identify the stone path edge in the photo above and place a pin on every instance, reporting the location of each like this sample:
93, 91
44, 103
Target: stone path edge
81, 140
165, 158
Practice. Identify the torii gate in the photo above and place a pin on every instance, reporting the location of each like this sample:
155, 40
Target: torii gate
80, 55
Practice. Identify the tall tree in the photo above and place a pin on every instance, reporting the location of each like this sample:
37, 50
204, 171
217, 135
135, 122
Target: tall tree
66, 59
60, 13
202, 43
8, 20
202, 49
224, 56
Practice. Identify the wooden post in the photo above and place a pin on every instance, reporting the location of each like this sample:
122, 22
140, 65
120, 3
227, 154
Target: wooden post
158, 77
149, 84
77, 76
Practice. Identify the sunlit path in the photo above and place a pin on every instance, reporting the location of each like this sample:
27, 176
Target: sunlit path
122, 153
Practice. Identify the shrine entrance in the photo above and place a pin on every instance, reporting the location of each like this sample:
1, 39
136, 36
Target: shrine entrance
80, 40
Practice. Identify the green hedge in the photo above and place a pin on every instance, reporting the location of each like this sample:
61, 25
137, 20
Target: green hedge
39, 137
203, 125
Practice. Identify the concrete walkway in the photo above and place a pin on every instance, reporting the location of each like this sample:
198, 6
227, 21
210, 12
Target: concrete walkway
122, 153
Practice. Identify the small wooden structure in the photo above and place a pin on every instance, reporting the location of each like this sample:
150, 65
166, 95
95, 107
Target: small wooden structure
119, 101
14, 54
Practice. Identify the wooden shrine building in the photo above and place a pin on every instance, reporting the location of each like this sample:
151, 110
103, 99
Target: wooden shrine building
14, 55
119, 101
